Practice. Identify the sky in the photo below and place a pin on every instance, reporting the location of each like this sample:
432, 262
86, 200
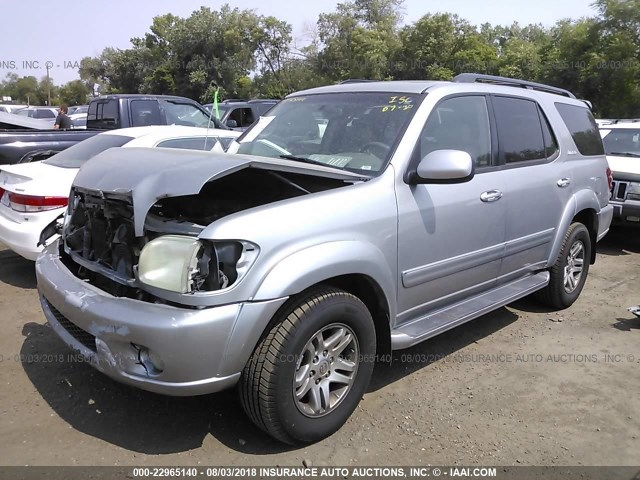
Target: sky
35, 33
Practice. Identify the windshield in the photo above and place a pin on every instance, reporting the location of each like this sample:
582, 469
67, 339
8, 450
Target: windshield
75, 156
186, 114
621, 141
221, 109
351, 131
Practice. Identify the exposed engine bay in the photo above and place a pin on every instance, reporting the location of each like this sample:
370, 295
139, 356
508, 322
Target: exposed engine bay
99, 240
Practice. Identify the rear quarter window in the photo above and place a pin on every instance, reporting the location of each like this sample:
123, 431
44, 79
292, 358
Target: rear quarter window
195, 143
583, 128
103, 114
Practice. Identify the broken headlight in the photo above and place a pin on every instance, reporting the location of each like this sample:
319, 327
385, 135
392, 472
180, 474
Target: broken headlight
186, 264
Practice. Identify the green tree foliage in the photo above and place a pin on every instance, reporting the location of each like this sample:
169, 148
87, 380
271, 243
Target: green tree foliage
75, 92
244, 54
437, 47
359, 39
28, 90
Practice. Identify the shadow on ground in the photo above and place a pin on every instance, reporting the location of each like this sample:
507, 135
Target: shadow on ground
16, 271
627, 324
155, 424
620, 241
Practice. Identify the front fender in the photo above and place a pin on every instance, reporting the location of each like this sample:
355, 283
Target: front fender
313, 265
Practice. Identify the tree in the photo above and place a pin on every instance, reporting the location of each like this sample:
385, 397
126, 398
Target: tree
74, 92
439, 46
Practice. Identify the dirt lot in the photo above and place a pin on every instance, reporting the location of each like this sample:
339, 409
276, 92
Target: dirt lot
520, 386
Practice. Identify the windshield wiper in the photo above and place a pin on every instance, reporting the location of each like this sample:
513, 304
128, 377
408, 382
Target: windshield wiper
625, 154
316, 162
308, 160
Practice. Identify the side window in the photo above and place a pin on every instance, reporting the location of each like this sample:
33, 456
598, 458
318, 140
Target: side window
196, 143
550, 142
243, 116
104, 114
184, 114
145, 112
519, 130
44, 113
459, 123
583, 128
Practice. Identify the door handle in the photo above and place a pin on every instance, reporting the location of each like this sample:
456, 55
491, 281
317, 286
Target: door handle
563, 182
491, 196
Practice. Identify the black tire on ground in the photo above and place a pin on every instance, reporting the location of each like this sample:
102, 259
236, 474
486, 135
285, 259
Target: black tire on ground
556, 294
266, 388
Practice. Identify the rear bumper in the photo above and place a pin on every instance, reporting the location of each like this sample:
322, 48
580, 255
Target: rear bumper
626, 213
23, 237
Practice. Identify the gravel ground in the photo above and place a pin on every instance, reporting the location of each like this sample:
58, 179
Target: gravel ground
520, 386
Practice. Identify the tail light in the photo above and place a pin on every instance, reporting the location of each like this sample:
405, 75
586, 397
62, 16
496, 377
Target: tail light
1, 192
34, 203
610, 178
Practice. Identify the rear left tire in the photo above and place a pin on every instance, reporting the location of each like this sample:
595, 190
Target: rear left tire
569, 273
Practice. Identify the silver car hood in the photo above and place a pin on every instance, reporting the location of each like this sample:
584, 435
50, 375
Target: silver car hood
150, 174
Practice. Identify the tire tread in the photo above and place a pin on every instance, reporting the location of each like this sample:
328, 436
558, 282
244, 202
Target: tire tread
259, 376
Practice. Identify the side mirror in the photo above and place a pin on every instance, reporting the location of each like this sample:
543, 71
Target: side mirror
443, 166
231, 123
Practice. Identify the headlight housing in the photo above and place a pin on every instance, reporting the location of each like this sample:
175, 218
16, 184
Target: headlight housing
633, 191
186, 265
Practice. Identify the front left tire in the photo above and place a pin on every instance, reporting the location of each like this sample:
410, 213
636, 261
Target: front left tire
308, 373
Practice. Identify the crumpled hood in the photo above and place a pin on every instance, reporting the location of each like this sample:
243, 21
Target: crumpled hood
150, 174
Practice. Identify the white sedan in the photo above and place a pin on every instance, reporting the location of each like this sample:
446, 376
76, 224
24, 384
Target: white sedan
33, 195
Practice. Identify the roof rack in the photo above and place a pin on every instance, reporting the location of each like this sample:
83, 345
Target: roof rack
625, 120
355, 80
511, 82
234, 100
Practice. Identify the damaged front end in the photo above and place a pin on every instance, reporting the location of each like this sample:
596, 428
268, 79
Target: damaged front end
142, 241
100, 246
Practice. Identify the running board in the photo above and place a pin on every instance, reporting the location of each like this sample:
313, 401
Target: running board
432, 324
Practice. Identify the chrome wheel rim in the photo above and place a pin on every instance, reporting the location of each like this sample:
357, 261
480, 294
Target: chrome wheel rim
573, 269
326, 370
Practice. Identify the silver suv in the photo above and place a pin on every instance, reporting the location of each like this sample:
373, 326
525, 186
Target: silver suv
354, 220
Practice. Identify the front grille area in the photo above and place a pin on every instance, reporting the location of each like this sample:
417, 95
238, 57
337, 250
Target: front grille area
85, 338
619, 190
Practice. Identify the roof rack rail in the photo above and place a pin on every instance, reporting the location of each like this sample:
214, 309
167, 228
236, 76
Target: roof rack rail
511, 82
355, 80
625, 120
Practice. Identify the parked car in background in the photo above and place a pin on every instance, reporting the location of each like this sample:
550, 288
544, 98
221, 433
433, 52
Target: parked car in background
45, 113
105, 113
78, 116
289, 268
78, 109
240, 114
622, 146
33, 195
11, 108
15, 123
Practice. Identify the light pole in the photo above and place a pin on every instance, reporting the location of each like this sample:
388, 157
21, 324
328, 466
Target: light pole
48, 66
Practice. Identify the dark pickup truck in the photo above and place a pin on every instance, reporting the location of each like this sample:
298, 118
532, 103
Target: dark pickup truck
106, 112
